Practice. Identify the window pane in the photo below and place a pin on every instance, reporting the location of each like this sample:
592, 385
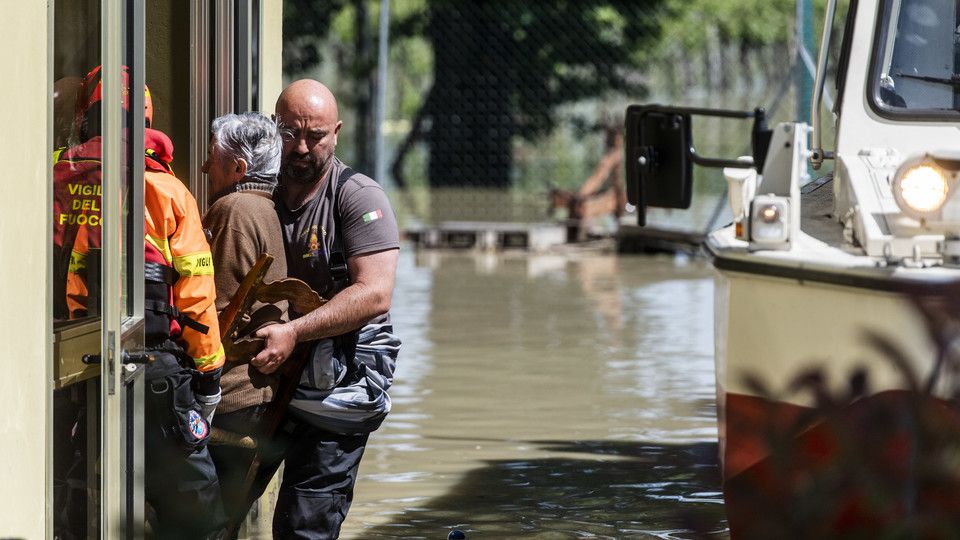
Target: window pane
76, 213
77, 155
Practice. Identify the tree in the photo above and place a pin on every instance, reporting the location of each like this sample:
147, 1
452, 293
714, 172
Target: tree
502, 67
306, 24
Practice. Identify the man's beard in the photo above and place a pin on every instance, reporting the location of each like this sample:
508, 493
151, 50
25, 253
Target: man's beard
303, 170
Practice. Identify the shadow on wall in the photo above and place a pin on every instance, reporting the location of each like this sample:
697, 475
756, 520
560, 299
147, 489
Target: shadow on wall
612, 490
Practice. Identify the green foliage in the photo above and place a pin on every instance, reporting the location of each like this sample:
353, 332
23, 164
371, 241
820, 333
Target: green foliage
502, 68
750, 23
305, 24
769, 21
412, 61
512, 65
555, 52
568, 51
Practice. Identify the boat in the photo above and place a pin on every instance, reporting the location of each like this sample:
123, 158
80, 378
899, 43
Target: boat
836, 381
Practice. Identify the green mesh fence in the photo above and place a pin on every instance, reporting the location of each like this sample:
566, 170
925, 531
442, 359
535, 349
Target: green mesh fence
491, 104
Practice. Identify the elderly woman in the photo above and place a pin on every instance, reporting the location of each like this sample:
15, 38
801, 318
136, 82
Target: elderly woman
243, 160
242, 164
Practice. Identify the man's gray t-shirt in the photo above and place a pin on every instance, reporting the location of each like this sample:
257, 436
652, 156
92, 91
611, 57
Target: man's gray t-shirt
367, 220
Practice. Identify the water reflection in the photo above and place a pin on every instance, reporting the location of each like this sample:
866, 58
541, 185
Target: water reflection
593, 489
549, 396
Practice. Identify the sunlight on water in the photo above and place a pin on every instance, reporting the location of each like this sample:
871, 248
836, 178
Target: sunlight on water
547, 396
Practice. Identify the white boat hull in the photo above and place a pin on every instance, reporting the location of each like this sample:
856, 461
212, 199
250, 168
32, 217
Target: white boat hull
776, 329
822, 431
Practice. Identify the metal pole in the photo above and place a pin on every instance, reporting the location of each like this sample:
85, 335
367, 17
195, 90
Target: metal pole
818, 155
381, 97
805, 44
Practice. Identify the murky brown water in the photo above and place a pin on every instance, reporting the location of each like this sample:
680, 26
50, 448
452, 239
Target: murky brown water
547, 396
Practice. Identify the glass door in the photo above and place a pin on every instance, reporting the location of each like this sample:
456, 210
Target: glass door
97, 212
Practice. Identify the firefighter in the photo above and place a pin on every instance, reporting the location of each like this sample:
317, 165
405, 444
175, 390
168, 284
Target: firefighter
181, 329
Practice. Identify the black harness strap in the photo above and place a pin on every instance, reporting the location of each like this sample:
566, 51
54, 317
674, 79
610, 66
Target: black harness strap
160, 273
338, 259
340, 273
166, 309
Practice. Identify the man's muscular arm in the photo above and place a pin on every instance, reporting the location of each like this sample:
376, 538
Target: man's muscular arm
369, 295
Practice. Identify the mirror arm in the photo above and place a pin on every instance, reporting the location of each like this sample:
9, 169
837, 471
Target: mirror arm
760, 137
718, 163
698, 111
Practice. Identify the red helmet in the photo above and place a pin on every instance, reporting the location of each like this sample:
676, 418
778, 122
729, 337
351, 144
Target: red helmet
91, 94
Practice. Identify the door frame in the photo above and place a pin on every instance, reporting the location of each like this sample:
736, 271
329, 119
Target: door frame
121, 331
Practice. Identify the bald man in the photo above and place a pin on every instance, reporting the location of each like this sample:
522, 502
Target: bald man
341, 238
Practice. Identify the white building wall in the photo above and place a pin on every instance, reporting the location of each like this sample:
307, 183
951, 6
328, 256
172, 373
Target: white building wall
25, 349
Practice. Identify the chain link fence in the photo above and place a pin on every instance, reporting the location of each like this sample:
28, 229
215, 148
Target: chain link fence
491, 105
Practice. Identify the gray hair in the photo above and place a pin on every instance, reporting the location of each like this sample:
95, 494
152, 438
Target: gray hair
254, 138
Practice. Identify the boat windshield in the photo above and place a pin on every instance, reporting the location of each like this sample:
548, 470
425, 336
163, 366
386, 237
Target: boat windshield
919, 58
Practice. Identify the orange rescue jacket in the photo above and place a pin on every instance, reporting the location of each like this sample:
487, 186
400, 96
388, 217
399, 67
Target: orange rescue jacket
173, 228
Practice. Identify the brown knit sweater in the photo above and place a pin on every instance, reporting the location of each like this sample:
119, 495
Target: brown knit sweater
243, 225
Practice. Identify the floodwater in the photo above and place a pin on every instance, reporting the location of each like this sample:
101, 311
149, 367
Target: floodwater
547, 396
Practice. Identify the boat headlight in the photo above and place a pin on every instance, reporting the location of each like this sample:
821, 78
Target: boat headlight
921, 186
770, 222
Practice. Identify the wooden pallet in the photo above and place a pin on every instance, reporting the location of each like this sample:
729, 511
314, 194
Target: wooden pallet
488, 236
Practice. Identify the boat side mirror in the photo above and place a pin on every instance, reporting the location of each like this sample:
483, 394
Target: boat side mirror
659, 167
660, 154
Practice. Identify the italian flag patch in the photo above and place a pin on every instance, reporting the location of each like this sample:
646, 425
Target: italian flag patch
372, 216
